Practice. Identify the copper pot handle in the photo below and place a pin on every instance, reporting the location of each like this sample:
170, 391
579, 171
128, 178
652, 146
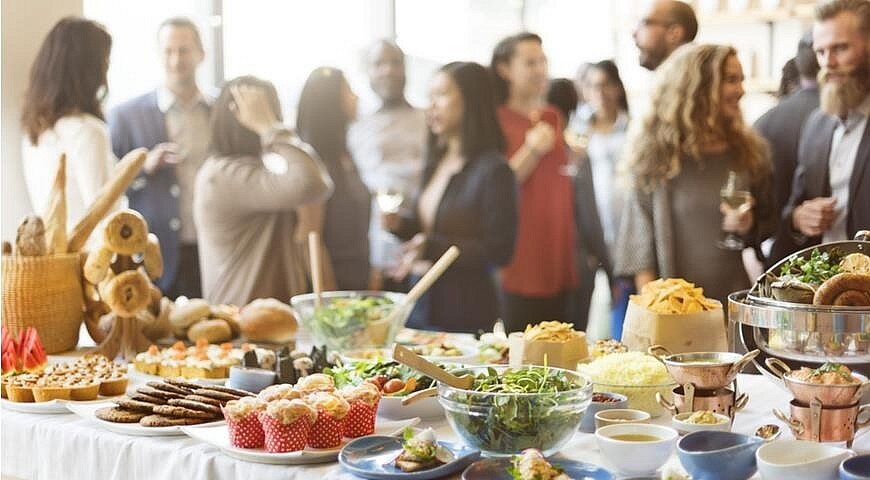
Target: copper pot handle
659, 352
777, 366
858, 423
665, 403
741, 402
816, 420
861, 391
741, 364
797, 428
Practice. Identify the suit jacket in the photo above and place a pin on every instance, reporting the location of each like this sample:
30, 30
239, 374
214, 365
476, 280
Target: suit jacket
811, 181
139, 123
478, 214
781, 127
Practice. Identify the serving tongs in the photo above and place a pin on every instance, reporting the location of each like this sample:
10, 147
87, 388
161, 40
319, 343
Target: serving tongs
407, 357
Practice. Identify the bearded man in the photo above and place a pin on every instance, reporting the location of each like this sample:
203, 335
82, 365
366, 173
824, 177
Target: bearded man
830, 197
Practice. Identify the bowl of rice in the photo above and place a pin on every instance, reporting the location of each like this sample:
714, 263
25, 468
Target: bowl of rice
636, 375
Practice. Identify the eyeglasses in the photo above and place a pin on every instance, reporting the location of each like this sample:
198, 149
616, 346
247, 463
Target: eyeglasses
646, 22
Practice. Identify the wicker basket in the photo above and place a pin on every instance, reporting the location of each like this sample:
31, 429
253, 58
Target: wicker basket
44, 292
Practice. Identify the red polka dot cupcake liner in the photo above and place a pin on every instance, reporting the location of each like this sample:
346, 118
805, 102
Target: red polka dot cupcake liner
245, 433
360, 420
280, 438
326, 432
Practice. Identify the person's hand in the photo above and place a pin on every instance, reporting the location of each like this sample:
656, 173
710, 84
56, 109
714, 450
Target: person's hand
540, 138
737, 220
390, 221
161, 155
252, 108
412, 251
814, 217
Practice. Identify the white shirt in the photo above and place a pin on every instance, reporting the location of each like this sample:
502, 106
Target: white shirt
89, 162
188, 127
841, 163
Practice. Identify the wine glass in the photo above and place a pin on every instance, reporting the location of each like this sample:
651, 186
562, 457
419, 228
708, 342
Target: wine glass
389, 199
577, 144
735, 196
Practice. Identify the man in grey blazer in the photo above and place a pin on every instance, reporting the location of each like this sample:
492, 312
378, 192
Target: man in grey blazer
830, 197
173, 120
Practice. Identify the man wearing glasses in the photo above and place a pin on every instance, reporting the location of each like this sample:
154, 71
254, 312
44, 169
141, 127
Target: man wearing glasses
665, 25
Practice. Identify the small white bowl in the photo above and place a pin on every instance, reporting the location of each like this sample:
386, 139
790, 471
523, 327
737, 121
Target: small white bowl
679, 422
619, 416
392, 408
800, 460
636, 458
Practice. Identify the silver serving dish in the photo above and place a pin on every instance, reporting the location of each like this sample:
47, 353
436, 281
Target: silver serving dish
802, 334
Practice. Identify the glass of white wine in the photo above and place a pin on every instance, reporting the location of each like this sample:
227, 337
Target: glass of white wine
389, 199
577, 144
734, 195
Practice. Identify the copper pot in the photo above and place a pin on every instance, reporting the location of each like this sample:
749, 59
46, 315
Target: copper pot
688, 399
805, 392
705, 370
824, 424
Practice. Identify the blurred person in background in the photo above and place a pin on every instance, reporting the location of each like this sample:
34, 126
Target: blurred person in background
246, 196
173, 121
689, 147
537, 283
387, 146
326, 108
830, 197
468, 199
663, 27
782, 125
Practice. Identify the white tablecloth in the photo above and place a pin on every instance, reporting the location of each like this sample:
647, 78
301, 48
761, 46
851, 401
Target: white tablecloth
68, 447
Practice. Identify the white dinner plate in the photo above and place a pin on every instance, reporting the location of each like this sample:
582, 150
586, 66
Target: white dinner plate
89, 412
218, 436
51, 406
147, 377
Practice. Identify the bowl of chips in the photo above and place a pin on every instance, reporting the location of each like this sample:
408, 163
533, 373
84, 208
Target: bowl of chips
674, 313
552, 343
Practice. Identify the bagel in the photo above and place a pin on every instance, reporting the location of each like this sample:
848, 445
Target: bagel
844, 289
128, 293
153, 258
97, 264
126, 233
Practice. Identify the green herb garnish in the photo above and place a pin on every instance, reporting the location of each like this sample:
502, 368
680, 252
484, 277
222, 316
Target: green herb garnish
814, 270
831, 368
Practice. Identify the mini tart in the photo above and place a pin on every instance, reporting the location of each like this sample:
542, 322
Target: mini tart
52, 392
150, 368
19, 393
169, 369
85, 392
114, 386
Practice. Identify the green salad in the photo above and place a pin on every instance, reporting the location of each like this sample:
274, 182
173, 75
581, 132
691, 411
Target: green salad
342, 321
814, 270
379, 373
518, 408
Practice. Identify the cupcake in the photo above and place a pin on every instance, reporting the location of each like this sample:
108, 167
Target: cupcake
278, 392
328, 430
287, 425
243, 422
317, 382
363, 400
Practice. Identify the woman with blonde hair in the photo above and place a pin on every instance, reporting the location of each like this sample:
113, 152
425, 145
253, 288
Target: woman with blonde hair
691, 147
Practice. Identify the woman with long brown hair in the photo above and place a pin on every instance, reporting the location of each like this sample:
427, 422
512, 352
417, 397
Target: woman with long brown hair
62, 114
690, 146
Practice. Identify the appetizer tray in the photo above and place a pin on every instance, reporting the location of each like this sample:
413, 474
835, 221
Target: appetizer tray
373, 457
49, 407
217, 435
88, 411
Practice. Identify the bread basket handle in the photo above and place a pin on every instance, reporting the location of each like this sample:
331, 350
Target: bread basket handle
658, 352
797, 428
777, 366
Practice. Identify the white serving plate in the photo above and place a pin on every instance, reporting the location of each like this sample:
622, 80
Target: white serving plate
146, 377
217, 435
88, 411
49, 407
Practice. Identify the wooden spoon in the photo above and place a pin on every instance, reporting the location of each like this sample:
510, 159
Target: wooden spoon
417, 291
404, 355
316, 271
419, 395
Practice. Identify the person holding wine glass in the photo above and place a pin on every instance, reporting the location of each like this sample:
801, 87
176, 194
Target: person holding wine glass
538, 281
696, 171
468, 199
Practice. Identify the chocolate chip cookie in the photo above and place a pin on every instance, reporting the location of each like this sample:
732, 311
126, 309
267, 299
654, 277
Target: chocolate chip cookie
183, 383
134, 405
200, 398
215, 394
163, 421
182, 412
230, 390
194, 405
119, 415
166, 387
148, 398
158, 393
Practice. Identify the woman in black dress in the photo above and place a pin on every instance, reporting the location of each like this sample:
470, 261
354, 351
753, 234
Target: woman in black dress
468, 199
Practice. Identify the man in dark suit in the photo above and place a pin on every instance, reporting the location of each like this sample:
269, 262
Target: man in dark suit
781, 125
173, 121
830, 197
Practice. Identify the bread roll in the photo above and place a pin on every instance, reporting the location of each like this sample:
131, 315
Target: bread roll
30, 241
186, 314
268, 320
214, 331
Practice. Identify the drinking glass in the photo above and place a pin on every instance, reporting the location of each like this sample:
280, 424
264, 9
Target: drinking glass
389, 199
735, 195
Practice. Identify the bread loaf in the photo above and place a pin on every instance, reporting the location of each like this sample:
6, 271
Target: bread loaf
55, 213
30, 241
268, 320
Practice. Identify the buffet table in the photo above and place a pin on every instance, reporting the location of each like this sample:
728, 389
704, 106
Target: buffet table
67, 446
